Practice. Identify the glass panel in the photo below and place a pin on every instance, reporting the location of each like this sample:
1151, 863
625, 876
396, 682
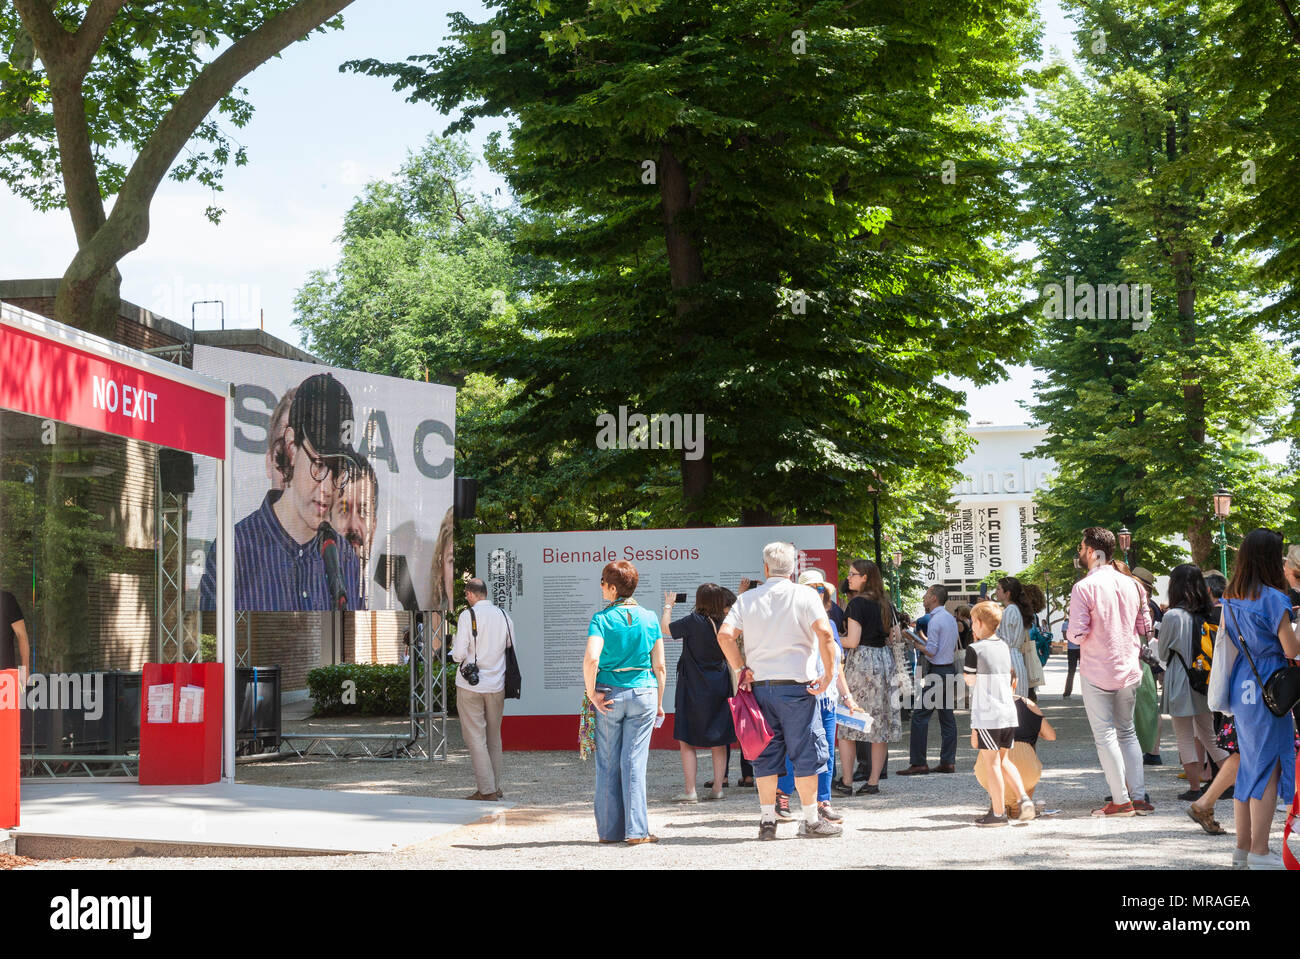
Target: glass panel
83, 525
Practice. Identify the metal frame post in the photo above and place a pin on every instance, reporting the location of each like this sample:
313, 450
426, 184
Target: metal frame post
226, 590
428, 684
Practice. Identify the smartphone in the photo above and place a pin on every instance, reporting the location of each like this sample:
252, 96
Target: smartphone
659, 721
681, 598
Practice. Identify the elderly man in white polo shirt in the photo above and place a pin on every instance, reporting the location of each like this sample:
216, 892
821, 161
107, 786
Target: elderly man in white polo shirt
786, 630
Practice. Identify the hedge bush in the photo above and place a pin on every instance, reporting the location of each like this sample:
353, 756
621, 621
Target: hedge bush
381, 690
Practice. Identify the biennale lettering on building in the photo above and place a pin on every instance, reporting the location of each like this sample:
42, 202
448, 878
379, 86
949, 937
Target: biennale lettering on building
1020, 480
994, 524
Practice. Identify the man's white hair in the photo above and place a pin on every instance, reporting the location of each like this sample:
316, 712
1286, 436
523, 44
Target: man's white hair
780, 558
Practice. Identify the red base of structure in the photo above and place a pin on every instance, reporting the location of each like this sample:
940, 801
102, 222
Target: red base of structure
561, 733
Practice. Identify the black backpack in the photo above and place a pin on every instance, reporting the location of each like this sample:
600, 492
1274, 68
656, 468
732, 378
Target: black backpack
1198, 673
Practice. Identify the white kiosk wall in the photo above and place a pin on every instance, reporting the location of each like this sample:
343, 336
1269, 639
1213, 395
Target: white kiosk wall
550, 585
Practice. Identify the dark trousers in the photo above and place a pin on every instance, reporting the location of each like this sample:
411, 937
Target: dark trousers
1072, 657
746, 767
936, 693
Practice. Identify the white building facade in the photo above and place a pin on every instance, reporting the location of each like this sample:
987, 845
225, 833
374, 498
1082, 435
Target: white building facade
993, 526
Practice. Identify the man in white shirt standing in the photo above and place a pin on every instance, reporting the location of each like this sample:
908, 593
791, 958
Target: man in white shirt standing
786, 630
480, 647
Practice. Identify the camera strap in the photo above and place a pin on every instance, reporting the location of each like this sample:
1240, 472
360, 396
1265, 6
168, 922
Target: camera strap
473, 630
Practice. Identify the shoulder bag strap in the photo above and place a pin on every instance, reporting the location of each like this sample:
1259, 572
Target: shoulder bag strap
733, 674
1195, 638
510, 639
1241, 643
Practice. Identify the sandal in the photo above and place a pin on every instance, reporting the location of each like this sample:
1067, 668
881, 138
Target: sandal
746, 783
1206, 821
637, 842
709, 784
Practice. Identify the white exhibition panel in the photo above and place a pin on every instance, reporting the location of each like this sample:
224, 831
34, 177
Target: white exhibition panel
550, 585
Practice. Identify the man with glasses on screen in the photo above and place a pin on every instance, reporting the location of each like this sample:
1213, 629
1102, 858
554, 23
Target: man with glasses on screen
280, 550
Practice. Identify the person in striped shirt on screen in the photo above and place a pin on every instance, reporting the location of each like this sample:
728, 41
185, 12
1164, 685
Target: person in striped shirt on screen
279, 561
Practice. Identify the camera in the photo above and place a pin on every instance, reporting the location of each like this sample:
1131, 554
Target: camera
681, 598
470, 672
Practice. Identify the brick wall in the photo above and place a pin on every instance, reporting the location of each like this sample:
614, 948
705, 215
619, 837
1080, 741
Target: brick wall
376, 637
290, 641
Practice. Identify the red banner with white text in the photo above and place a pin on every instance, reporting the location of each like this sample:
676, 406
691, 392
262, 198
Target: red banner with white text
54, 380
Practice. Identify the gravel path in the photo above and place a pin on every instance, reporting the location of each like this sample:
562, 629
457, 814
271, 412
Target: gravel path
923, 821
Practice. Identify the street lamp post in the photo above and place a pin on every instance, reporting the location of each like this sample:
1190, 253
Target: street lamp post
875, 522
1222, 506
1125, 541
897, 560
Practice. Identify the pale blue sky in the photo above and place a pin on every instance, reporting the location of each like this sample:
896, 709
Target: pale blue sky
317, 136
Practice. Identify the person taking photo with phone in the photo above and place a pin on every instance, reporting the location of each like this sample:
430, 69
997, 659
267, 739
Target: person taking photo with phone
701, 718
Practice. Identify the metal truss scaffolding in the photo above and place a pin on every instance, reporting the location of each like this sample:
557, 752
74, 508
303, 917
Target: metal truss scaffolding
427, 737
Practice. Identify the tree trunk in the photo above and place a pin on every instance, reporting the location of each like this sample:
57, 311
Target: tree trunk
1198, 534
1201, 537
685, 269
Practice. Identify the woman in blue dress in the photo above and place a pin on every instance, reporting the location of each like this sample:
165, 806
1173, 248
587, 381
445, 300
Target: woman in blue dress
1258, 617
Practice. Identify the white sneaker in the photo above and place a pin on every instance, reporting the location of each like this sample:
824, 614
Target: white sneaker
1268, 861
1239, 858
686, 798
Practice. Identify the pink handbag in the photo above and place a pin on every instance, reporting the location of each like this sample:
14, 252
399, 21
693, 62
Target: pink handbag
752, 731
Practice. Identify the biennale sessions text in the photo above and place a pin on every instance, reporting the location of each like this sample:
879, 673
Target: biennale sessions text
608, 555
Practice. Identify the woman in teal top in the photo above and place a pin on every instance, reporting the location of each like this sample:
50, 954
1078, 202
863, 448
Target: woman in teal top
624, 674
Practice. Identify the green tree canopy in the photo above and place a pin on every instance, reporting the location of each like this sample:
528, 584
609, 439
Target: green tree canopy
1147, 415
788, 218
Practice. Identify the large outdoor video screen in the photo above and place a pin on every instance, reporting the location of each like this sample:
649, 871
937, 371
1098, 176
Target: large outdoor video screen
343, 488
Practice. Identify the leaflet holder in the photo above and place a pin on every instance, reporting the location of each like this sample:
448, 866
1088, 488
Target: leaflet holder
180, 723
11, 700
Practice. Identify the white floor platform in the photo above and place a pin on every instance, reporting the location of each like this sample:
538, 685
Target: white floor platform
231, 819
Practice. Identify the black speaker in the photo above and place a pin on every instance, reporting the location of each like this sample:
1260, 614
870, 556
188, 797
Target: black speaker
176, 470
466, 495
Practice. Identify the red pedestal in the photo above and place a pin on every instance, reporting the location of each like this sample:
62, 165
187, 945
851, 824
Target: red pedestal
175, 753
10, 703
561, 733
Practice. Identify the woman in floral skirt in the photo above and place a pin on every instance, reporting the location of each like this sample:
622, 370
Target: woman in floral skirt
872, 675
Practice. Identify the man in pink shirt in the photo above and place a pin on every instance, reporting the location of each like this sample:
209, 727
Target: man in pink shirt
1108, 611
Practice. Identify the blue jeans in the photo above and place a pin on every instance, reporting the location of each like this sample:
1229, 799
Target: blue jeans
786, 783
622, 751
